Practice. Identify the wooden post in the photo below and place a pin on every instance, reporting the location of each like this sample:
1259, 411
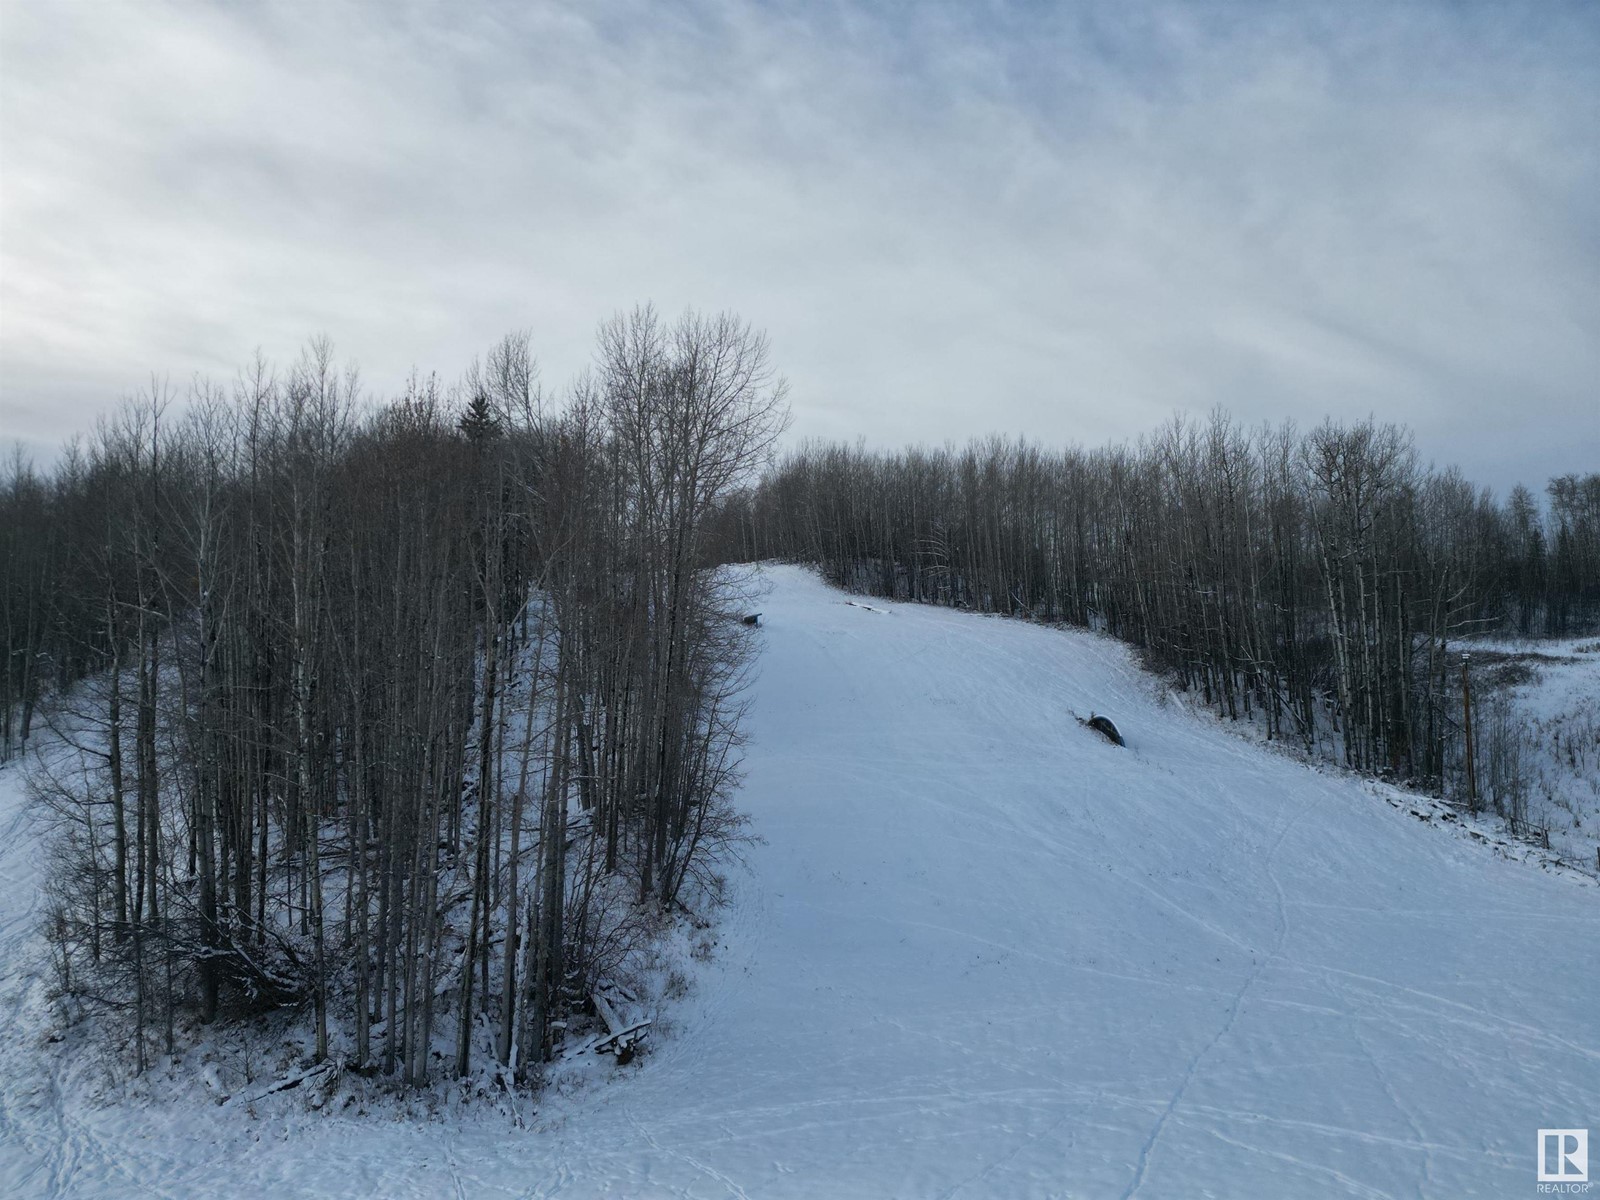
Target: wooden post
1466, 733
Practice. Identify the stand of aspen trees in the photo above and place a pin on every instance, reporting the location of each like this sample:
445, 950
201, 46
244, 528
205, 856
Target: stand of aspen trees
1315, 580
413, 715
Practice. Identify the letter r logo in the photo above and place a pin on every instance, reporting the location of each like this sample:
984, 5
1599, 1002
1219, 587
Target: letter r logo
1563, 1156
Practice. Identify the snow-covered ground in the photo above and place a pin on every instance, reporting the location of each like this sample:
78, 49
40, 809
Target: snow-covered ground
1554, 699
981, 952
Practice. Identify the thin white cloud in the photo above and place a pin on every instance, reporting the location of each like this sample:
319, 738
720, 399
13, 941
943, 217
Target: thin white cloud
951, 220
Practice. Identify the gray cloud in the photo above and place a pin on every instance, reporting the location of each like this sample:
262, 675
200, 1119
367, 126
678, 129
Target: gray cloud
1064, 222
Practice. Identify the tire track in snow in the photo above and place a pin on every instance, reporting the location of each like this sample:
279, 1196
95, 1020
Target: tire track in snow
1441, 1008
1143, 1163
19, 919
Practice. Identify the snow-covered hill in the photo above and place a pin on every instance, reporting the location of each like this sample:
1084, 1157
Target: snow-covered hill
981, 952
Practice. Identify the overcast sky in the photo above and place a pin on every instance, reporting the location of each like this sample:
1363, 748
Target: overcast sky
1066, 221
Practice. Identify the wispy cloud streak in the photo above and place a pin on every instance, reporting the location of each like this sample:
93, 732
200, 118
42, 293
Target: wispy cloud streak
1065, 222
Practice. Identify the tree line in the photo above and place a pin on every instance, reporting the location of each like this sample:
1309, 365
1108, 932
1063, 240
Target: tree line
1319, 580
413, 715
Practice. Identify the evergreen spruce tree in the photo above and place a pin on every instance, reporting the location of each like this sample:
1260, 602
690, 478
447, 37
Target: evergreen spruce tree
479, 423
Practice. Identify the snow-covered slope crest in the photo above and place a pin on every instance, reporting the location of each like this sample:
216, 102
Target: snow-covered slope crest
984, 952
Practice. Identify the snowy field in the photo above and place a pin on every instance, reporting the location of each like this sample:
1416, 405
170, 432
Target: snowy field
981, 952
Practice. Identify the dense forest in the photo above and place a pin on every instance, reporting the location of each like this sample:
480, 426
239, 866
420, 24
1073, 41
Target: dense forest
412, 716
1318, 582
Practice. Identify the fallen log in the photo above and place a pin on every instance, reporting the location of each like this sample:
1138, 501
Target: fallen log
1104, 727
620, 1039
320, 1071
